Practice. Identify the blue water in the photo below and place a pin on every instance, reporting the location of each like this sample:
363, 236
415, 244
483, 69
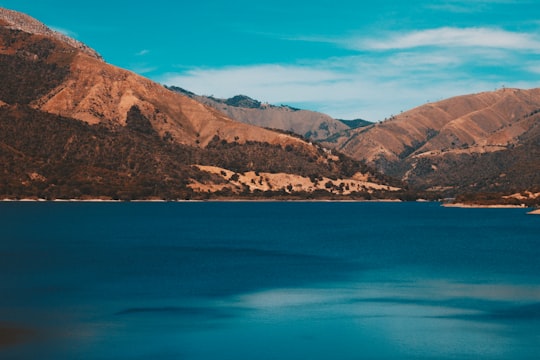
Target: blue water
277, 280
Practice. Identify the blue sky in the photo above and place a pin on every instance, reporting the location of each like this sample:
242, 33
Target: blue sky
349, 59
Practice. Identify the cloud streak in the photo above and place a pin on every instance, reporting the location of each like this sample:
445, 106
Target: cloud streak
143, 52
288, 84
465, 6
450, 37
354, 89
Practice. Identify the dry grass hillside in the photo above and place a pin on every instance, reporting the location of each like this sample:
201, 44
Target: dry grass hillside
481, 122
96, 92
73, 126
73, 81
311, 125
470, 142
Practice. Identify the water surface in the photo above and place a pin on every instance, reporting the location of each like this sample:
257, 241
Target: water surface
276, 280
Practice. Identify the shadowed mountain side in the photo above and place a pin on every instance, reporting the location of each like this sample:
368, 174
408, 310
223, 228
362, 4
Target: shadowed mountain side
47, 156
355, 123
96, 92
514, 168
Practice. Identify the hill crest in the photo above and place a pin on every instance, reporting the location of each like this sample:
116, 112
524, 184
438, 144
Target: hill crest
468, 143
73, 126
312, 125
20, 21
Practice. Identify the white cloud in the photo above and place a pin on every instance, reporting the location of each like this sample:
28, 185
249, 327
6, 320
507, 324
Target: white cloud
451, 37
453, 7
268, 82
443, 37
414, 68
534, 68
345, 88
465, 6
143, 52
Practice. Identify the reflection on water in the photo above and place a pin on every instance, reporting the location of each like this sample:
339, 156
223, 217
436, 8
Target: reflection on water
431, 319
268, 281
417, 319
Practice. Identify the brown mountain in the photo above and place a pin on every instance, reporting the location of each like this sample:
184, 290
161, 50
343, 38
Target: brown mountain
486, 142
312, 125
73, 126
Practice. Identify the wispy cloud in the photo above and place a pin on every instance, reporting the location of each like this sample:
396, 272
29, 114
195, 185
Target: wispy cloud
143, 52
442, 37
388, 74
464, 6
451, 37
454, 7
343, 88
268, 82
534, 68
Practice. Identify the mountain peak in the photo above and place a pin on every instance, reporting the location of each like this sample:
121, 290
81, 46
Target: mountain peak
19, 21
243, 101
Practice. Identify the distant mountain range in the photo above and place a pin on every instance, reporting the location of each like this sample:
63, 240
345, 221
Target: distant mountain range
478, 147
311, 125
72, 126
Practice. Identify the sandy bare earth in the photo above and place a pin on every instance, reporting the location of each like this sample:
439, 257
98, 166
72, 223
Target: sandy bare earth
270, 181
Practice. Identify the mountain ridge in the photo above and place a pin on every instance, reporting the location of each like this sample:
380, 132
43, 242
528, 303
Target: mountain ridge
20, 21
311, 125
73, 126
435, 146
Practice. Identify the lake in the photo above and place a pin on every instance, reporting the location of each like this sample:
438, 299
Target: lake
267, 280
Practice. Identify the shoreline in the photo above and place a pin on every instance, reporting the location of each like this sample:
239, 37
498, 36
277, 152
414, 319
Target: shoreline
446, 205
479, 206
199, 200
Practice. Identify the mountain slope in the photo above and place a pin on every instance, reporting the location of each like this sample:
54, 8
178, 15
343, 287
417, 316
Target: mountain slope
73, 126
73, 81
311, 125
18, 21
467, 143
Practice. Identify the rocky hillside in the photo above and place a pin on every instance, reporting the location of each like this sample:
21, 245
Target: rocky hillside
72, 126
19, 21
485, 142
311, 125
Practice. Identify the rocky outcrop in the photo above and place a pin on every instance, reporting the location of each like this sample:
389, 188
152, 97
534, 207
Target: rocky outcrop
19, 21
